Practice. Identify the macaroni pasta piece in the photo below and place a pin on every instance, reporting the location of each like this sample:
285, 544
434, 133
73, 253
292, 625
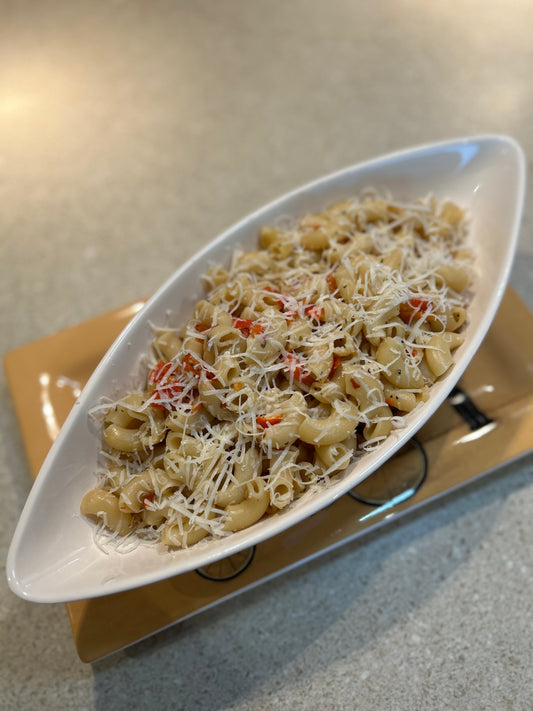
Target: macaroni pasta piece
302, 355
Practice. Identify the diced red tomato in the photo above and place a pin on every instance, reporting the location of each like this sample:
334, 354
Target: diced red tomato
166, 393
285, 304
298, 370
265, 421
280, 303
417, 305
242, 324
257, 328
157, 374
191, 365
290, 314
247, 327
167, 385
336, 363
315, 311
331, 282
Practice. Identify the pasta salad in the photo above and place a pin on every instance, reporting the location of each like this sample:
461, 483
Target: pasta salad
304, 354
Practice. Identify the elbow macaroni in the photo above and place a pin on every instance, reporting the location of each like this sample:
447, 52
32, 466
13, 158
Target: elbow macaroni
300, 354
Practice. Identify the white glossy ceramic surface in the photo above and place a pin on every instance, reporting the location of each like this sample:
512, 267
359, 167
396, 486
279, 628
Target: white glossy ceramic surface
53, 557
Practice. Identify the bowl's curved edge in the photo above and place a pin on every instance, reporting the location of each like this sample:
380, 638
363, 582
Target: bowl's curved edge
18, 586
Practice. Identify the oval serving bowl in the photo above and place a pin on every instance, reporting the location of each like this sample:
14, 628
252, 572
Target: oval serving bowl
53, 556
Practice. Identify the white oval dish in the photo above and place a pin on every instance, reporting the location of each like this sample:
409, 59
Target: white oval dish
53, 557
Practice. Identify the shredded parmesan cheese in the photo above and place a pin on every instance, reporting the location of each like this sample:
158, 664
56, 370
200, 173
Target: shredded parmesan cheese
304, 354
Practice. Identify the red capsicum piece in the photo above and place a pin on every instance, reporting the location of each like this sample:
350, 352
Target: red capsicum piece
298, 370
247, 327
417, 305
336, 363
315, 311
265, 421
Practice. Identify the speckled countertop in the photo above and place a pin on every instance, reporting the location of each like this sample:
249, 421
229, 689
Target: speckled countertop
132, 133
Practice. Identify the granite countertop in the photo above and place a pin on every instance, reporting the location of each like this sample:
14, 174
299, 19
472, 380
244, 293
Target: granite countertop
131, 134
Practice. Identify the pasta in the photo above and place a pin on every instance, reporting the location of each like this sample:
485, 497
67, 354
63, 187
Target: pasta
303, 355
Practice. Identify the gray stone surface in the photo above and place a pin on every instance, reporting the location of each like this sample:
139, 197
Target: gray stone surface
131, 133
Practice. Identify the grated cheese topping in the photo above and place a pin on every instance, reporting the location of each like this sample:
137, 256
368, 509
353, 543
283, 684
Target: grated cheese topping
303, 355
